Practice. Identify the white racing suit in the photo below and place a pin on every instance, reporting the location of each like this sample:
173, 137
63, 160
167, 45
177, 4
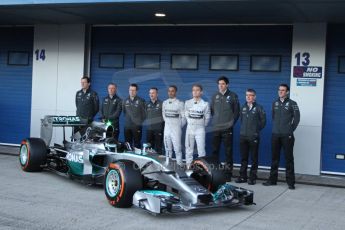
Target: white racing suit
174, 117
198, 114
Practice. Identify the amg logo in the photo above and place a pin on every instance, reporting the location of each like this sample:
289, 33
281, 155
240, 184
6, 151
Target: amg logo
75, 158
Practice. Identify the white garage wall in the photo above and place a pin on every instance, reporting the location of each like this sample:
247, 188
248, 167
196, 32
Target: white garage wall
56, 79
310, 38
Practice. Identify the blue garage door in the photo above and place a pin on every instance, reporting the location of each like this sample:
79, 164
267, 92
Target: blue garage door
16, 46
146, 45
333, 131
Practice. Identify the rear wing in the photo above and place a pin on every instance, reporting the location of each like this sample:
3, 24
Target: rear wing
50, 121
69, 121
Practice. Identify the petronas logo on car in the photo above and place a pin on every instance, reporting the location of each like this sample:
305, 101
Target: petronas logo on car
75, 158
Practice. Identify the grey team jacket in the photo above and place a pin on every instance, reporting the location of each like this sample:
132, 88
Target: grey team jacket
252, 120
111, 109
285, 116
154, 116
87, 104
134, 111
225, 110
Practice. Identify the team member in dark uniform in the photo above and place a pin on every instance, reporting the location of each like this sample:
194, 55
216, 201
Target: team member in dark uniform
253, 120
86, 101
154, 121
285, 117
134, 111
111, 109
225, 111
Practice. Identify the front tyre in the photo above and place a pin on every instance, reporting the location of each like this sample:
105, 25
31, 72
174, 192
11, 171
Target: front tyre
122, 180
32, 154
209, 173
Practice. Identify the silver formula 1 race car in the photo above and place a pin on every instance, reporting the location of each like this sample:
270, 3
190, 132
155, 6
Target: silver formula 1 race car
137, 177
84, 158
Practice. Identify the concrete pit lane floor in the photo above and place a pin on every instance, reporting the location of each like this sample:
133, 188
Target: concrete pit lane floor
45, 200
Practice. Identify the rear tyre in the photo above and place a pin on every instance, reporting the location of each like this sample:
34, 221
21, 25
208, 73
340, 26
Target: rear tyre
32, 154
122, 180
209, 173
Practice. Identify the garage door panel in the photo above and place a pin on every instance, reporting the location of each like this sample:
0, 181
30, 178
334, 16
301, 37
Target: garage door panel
15, 87
204, 41
333, 129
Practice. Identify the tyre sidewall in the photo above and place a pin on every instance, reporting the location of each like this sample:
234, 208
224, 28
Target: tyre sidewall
216, 173
36, 154
130, 182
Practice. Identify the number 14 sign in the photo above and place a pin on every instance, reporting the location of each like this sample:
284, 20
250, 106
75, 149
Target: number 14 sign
40, 54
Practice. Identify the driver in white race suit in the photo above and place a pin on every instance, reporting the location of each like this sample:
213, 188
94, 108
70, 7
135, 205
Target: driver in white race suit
174, 117
198, 114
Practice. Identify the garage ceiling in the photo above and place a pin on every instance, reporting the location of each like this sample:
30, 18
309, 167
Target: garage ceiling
177, 12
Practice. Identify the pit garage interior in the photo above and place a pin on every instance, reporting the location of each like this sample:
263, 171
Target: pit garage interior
46, 47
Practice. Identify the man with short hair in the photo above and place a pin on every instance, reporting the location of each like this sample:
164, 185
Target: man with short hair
154, 121
225, 111
197, 115
87, 103
174, 117
134, 111
285, 117
253, 120
111, 109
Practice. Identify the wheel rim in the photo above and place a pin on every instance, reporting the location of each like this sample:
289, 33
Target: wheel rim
23, 156
113, 183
